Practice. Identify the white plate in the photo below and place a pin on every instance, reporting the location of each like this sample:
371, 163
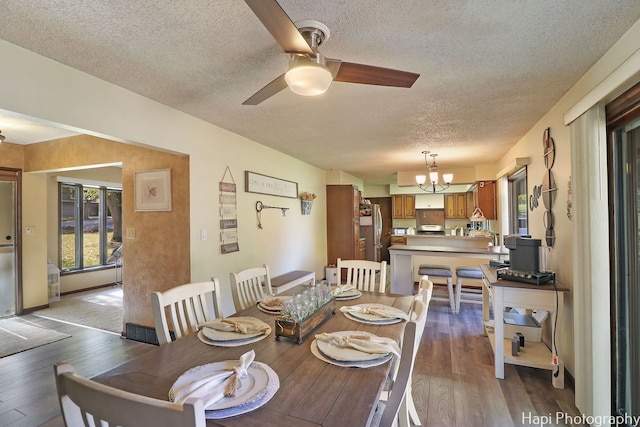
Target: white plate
234, 343
352, 294
216, 335
374, 318
347, 354
380, 321
272, 388
273, 308
254, 384
363, 364
268, 310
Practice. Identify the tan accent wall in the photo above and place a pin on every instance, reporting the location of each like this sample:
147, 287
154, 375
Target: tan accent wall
158, 258
11, 155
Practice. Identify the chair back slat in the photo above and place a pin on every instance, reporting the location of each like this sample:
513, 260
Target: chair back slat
183, 308
365, 275
396, 411
87, 403
250, 286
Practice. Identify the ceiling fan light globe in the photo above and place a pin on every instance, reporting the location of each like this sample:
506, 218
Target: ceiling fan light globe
447, 177
308, 79
421, 179
433, 177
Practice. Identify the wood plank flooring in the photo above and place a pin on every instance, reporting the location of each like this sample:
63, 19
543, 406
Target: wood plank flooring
454, 383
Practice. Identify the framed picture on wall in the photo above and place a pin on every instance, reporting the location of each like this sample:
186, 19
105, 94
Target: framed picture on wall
153, 190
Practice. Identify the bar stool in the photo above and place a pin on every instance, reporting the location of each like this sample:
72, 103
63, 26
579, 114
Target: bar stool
435, 270
465, 273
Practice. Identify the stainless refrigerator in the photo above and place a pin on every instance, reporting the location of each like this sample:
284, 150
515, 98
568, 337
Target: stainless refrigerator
371, 230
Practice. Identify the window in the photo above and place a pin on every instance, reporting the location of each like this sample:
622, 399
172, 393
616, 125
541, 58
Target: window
518, 204
90, 225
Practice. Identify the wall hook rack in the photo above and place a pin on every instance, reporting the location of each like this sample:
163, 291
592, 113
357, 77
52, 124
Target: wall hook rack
260, 206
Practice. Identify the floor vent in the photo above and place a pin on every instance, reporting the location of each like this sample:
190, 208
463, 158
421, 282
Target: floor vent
141, 333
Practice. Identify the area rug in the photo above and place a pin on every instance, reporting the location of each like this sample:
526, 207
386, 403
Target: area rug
17, 335
98, 309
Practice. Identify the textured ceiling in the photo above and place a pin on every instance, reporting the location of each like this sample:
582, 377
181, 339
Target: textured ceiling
489, 69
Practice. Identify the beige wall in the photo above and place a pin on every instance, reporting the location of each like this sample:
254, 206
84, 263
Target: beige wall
38, 87
158, 258
618, 70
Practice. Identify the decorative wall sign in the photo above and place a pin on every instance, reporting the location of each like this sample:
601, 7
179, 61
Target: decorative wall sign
152, 190
228, 215
262, 184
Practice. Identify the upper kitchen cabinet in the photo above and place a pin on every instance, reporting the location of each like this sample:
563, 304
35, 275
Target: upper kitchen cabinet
485, 198
455, 206
404, 206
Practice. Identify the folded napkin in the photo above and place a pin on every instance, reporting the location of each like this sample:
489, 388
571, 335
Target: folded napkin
236, 325
365, 343
269, 301
342, 289
212, 388
385, 312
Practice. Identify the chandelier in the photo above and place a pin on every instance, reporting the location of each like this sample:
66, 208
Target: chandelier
433, 186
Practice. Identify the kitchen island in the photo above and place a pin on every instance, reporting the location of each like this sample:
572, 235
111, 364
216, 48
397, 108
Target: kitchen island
403, 268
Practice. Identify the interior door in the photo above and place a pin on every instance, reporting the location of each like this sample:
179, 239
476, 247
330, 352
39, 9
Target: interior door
9, 271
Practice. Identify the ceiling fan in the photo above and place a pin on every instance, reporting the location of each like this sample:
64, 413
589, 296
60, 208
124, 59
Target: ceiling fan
310, 73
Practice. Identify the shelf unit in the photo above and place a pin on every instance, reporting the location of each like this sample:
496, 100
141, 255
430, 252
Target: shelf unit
505, 293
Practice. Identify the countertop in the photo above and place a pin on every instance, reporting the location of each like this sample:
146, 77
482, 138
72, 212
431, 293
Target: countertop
448, 250
440, 236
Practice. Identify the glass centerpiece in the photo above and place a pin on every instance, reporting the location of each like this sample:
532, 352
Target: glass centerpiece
305, 311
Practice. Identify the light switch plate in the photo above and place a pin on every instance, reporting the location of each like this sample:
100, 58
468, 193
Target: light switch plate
131, 233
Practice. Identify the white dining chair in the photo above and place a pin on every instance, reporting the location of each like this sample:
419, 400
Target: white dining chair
183, 308
84, 402
364, 275
418, 315
423, 293
395, 410
250, 286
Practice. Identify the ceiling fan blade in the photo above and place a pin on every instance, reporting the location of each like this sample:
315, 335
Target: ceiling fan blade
275, 86
283, 30
350, 72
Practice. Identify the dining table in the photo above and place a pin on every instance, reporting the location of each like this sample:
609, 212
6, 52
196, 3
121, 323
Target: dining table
311, 391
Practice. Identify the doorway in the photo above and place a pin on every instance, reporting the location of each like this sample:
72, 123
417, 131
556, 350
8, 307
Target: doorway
10, 271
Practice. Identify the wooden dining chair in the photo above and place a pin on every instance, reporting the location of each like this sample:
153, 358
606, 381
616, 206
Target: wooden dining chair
183, 308
395, 411
364, 275
84, 402
250, 286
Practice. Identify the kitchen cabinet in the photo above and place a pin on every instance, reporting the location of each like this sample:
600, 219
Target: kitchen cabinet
398, 240
404, 206
455, 206
471, 205
343, 223
485, 198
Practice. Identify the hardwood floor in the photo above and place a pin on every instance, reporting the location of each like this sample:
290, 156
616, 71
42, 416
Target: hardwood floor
453, 380
27, 388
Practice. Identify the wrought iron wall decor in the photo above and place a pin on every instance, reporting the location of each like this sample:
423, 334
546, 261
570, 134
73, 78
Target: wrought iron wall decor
549, 188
